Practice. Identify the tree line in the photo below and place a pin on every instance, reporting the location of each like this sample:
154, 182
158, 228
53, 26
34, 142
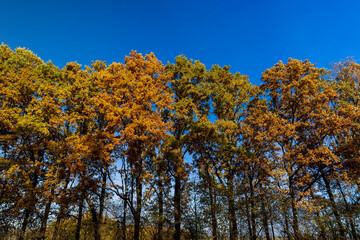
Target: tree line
142, 150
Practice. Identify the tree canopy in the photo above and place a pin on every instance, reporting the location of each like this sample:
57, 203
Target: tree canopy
142, 150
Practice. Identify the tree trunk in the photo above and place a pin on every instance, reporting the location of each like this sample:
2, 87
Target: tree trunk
286, 219
350, 217
102, 197
248, 218
196, 219
333, 207
62, 209
24, 224
79, 219
125, 184
45, 218
161, 207
212, 204
124, 221
252, 209
95, 220
265, 218
213, 218
232, 209
295, 223
177, 199
28, 211
137, 217
272, 226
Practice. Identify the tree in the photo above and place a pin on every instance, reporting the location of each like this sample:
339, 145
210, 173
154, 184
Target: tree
134, 95
28, 125
345, 78
188, 106
301, 123
230, 95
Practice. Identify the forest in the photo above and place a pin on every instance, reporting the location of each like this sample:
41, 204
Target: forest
145, 150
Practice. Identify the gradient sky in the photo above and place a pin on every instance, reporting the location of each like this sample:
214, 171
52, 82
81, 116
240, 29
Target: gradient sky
251, 36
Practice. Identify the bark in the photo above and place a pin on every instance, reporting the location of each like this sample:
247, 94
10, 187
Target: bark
24, 224
247, 209
124, 221
265, 219
161, 208
212, 205
177, 203
102, 197
295, 222
126, 182
272, 227
196, 237
252, 210
45, 219
28, 210
79, 219
177, 189
213, 215
95, 220
232, 209
287, 225
63, 206
334, 208
350, 217
137, 215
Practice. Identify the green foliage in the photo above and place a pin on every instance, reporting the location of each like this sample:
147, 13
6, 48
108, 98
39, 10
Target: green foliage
139, 150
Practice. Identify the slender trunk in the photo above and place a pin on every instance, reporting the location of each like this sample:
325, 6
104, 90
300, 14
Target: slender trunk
177, 201
212, 205
295, 223
196, 218
161, 207
287, 229
124, 221
252, 209
247, 210
137, 217
132, 192
102, 197
24, 224
265, 219
95, 220
232, 210
79, 219
350, 216
28, 210
62, 209
125, 184
45, 218
213, 218
333, 207
272, 227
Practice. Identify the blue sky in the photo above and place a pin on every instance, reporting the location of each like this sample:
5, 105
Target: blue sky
251, 36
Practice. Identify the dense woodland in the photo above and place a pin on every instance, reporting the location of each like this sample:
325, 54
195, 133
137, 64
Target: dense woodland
142, 150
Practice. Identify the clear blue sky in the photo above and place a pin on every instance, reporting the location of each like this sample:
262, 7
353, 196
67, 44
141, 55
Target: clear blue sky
251, 36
